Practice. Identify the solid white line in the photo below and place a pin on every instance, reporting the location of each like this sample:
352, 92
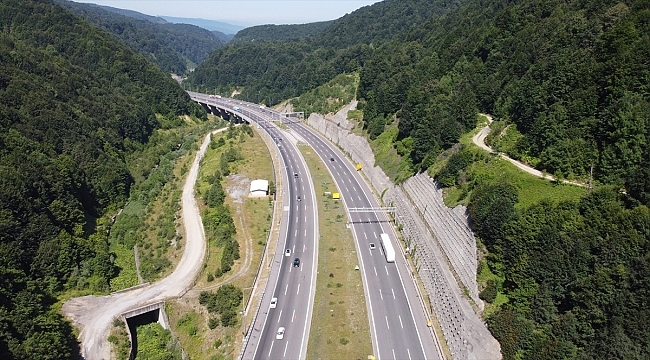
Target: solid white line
271, 348
400, 321
280, 316
393, 293
285, 349
388, 326
294, 315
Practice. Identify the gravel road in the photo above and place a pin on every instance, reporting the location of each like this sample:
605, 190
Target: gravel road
94, 315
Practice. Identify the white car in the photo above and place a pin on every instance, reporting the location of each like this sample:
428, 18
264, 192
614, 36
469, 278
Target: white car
280, 334
274, 303
287, 252
372, 246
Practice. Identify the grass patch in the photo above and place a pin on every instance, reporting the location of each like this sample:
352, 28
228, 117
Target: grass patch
340, 327
155, 343
397, 168
119, 339
329, 97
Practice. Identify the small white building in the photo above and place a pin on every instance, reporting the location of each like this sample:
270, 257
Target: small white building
259, 188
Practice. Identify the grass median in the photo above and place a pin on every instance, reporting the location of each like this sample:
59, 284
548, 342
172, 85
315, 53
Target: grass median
340, 328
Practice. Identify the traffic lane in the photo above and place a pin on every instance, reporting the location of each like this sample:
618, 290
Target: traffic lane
407, 320
393, 319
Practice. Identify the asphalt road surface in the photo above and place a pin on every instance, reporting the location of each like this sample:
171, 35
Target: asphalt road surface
293, 286
397, 317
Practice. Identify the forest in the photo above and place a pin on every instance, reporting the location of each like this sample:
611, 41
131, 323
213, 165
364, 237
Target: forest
173, 47
291, 60
74, 104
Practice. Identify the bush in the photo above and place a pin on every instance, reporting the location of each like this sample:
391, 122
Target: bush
210, 277
213, 323
229, 318
489, 294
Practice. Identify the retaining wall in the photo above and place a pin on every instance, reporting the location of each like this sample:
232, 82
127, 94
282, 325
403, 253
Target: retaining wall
465, 333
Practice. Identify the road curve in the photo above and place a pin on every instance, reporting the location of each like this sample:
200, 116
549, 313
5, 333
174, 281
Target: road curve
94, 315
479, 140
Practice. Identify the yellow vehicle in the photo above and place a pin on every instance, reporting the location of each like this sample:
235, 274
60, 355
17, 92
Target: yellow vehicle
359, 167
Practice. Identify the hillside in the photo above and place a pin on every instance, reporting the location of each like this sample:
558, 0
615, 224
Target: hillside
341, 47
280, 33
174, 47
566, 82
75, 104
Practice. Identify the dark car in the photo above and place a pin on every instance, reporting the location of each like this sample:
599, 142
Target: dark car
331, 159
296, 262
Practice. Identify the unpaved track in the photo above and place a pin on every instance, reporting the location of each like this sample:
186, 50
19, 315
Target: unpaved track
94, 315
479, 140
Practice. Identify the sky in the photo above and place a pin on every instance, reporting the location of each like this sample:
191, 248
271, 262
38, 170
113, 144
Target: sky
243, 12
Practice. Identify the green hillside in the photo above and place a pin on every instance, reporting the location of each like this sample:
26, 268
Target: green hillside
280, 68
74, 104
174, 47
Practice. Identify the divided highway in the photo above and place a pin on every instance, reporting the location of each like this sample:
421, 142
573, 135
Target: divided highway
398, 322
292, 282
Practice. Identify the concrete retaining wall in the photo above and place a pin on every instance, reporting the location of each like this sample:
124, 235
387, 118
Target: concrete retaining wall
465, 333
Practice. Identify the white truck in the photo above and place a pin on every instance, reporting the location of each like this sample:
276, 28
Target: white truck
387, 246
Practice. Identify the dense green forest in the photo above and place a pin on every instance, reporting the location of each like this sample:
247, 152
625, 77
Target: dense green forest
273, 71
569, 79
279, 33
174, 47
74, 104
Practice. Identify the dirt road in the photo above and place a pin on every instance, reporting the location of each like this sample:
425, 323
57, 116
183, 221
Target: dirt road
479, 140
94, 315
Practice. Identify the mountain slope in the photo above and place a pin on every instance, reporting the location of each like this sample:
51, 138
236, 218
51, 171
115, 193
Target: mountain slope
342, 46
279, 33
172, 46
74, 103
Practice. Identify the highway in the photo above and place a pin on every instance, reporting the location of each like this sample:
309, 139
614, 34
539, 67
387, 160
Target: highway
293, 286
398, 322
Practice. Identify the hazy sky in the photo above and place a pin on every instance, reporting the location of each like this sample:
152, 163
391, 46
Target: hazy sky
243, 12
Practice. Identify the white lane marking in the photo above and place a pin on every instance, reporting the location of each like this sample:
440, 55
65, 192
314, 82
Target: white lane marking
388, 326
394, 354
359, 197
303, 188
370, 250
285, 349
366, 236
271, 349
296, 219
293, 316
296, 234
386, 267
305, 218
285, 291
381, 295
375, 234
293, 250
304, 247
298, 292
375, 272
280, 316
400, 321
407, 350
393, 293
305, 232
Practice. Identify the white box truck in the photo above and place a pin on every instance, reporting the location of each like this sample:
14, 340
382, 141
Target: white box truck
387, 246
